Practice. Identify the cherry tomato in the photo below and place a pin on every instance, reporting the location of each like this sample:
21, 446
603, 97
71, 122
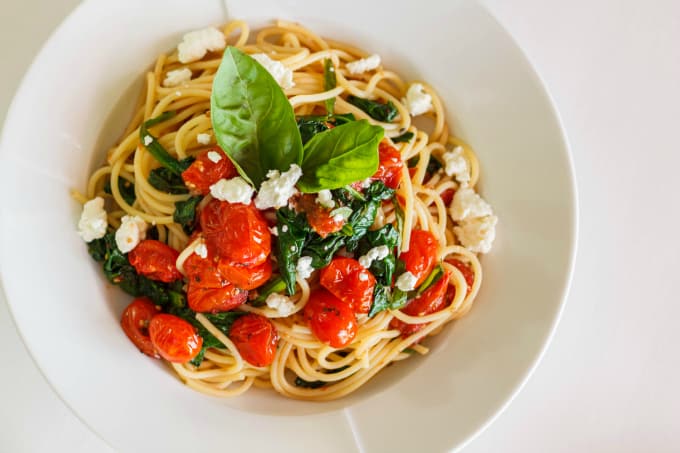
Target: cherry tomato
350, 282
431, 301
389, 170
468, 274
236, 232
332, 321
203, 172
135, 324
255, 338
174, 338
246, 277
421, 255
318, 217
447, 196
208, 290
155, 260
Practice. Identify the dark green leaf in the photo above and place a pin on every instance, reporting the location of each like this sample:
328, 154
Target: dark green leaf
399, 299
431, 279
399, 214
381, 300
293, 230
383, 269
405, 137
252, 118
185, 213
275, 285
376, 110
156, 149
322, 249
98, 249
164, 180
340, 156
126, 189
310, 127
329, 82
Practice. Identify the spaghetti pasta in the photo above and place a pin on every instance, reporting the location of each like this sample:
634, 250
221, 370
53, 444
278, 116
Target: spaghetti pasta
424, 197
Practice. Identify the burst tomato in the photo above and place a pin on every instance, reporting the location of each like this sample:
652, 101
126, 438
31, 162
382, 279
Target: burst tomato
447, 196
350, 282
236, 232
208, 290
468, 274
332, 321
203, 172
318, 217
255, 338
155, 260
246, 277
431, 301
389, 170
174, 338
135, 323
421, 255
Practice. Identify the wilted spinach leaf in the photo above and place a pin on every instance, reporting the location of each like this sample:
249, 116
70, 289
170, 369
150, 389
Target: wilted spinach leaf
376, 110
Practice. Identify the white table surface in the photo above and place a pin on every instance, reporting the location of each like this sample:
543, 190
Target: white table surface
609, 381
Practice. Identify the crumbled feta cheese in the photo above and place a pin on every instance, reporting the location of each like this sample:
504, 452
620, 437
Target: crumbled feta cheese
417, 100
478, 234
366, 183
374, 254
204, 139
197, 43
282, 304
304, 267
177, 77
201, 249
131, 232
93, 223
325, 199
456, 165
338, 218
284, 228
468, 204
406, 281
234, 190
364, 65
278, 188
282, 75
214, 156
147, 140
274, 231
341, 213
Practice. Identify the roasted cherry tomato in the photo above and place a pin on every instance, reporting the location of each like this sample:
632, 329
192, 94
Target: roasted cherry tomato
468, 274
350, 282
447, 196
203, 172
255, 338
332, 321
318, 217
236, 232
208, 291
246, 277
421, 255
135, 324
155, 260
175, 339
431, 301
389, 170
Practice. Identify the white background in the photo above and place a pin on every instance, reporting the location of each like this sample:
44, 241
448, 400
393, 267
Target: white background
610, 382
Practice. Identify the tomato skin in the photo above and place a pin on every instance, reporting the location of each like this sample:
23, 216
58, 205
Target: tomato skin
447, 196
246, 277
236, 232
332, 321
468, 274
203, 172
155, 260
318, 217
389, 169
256, 339
431, 301
174, 338
208, 291
422, 254
135, 323
350, 282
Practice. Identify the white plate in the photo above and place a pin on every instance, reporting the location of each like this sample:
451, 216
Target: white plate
73, 103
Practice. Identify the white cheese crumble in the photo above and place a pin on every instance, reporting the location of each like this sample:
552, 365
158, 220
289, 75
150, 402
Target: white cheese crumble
364, 65
214, 156
204, 139
131, 232
177, 77
201, 249
417, 100
282, 75
456, 165
284, 228
92, 224
234, 190
467, 204
147, 140
197, 43
282, 304
325, 199
278, 188
274, 231
304, 268
478, 234
406, 282
374, 254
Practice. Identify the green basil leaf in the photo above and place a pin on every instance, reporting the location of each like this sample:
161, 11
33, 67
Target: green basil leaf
405, 137
293, 230
376, 110
166, 181
156, 149
309, 127
381, 300
383, 269
185, 213
431, 279
329, 82
252, 118
275, 285
340, 156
